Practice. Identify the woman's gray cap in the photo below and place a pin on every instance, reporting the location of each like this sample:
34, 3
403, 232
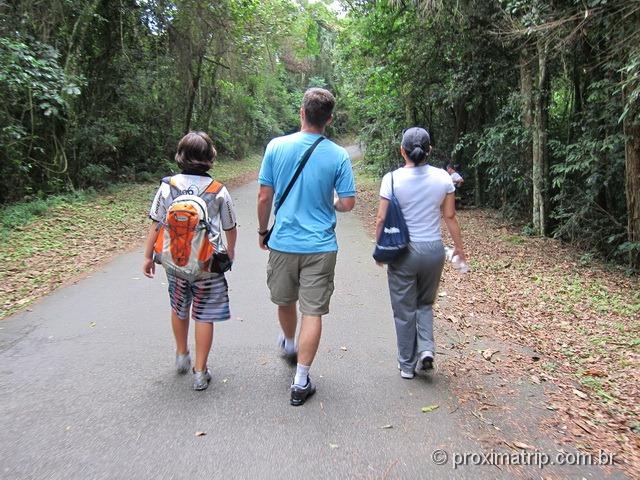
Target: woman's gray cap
415, 137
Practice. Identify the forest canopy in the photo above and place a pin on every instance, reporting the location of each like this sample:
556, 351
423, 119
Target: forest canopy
536, 101
96, 91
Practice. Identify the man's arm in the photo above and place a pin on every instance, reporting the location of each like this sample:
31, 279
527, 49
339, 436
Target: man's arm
345, 187
344, 204
265, 200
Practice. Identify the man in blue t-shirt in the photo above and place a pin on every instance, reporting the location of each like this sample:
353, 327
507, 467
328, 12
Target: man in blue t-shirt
303, 244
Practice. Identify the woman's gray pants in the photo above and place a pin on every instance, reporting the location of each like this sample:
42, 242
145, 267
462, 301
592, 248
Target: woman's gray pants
413, 286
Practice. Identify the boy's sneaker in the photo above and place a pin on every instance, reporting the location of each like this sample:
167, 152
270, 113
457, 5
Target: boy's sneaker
201, 379
300, 394
183, 362
426, 361
403, 374
290, 357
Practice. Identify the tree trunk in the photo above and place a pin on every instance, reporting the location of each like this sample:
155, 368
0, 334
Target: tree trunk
478, 197
632, 184
485, 111
409, 117
461, 117
540, 168
193, 89
526, 91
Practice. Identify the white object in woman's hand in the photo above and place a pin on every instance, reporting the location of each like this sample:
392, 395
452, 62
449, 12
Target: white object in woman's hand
460, 264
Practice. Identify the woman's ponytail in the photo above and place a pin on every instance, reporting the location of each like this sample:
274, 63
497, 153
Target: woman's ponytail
417, 155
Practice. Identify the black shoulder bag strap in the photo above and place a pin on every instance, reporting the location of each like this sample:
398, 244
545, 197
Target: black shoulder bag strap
303, 162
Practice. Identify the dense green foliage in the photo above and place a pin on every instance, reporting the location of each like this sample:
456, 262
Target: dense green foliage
537, 101
95, 91
475, 73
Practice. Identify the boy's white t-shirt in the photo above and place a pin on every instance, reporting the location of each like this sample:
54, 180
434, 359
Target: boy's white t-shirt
221, 211
420, 192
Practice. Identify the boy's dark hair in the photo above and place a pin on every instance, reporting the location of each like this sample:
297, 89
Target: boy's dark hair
318, 106
196, 152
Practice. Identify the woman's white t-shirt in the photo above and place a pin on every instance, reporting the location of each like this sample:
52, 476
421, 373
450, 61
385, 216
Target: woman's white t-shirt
420, 192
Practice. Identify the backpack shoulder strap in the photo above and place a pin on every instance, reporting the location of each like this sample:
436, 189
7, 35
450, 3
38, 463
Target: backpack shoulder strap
213, 188
303, 162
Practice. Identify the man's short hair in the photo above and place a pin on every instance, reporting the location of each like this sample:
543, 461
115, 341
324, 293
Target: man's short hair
318, 106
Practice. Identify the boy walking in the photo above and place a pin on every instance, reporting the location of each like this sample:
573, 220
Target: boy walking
303, 243
200, 293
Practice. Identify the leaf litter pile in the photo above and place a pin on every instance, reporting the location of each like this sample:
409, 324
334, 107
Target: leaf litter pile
77, 237
531, 313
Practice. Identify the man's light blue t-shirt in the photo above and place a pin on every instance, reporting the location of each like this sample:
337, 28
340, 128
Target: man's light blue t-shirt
307, 219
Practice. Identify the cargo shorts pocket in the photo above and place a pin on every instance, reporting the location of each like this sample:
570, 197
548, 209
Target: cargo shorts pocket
316, 283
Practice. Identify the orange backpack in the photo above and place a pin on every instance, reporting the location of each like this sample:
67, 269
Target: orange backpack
183, 245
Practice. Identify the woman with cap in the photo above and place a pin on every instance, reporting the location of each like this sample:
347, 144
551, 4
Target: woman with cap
425, 194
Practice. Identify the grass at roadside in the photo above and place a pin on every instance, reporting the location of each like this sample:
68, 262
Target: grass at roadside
48, 242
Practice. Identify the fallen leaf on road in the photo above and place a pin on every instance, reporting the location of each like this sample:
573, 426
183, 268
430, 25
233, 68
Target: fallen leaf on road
580, 394
583, 427
384, 427
200, 434
488, 353
430, 408
523, 446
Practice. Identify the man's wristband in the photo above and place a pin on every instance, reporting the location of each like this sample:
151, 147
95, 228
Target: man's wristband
263, 233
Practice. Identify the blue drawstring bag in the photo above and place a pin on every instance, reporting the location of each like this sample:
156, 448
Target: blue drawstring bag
394, 238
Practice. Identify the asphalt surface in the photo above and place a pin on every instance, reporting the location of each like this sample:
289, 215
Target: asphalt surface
88, 389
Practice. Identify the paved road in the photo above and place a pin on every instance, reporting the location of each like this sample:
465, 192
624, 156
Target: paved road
88, 391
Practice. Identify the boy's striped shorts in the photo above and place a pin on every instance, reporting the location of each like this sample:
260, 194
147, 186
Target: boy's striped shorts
209, 297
